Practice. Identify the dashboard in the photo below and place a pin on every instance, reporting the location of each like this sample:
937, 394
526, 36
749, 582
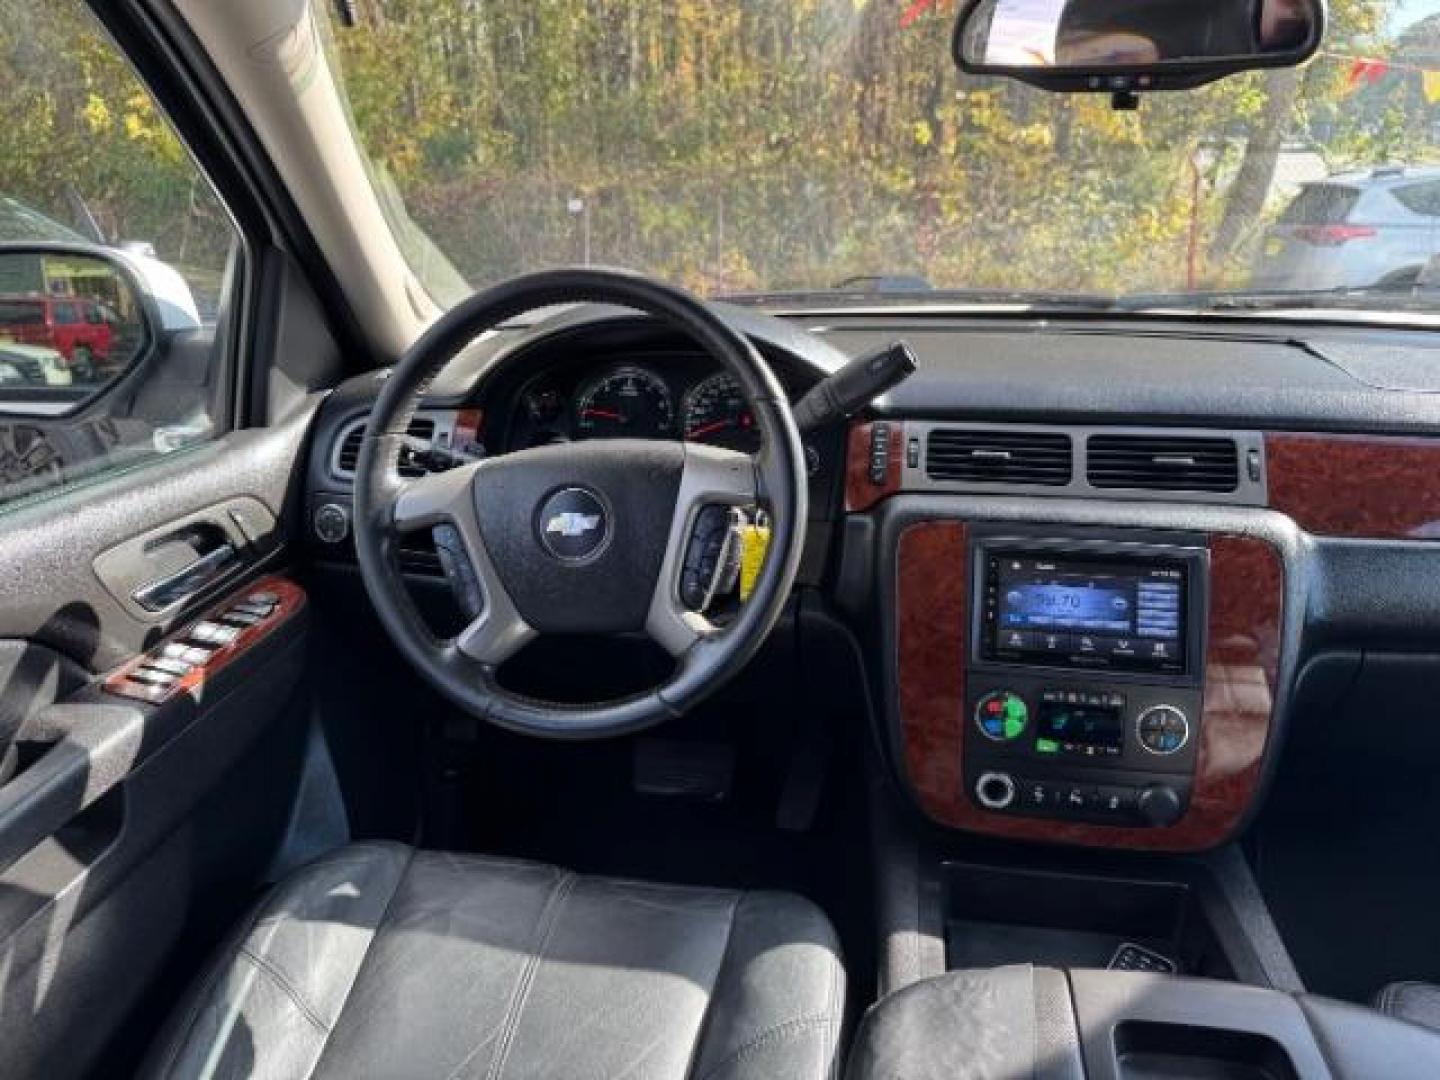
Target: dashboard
1089, 562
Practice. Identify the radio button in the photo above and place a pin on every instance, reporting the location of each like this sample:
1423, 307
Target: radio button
1035, 794
1163, 730
1002, 716
1052, 643
1115, 800
1022, 640
1123, 648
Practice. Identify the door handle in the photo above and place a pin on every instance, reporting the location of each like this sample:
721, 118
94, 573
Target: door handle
163, 592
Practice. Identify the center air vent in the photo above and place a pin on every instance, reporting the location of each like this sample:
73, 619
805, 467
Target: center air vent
1163, 463
998, 457
347, 454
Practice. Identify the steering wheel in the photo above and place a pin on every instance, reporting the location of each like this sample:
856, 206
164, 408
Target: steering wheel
579, 538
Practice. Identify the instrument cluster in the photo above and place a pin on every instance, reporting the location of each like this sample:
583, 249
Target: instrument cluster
635, 400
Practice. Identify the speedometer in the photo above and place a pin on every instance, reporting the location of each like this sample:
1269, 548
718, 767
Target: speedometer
716, 412
629, 402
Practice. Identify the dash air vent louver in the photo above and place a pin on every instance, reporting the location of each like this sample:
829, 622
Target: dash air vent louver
1163, 463
349, 453
999, 457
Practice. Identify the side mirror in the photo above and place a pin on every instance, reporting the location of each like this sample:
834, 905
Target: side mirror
1127, 46
73, 319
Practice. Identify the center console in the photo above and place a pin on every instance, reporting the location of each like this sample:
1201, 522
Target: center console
1085, 683
996, 1024
1073, 683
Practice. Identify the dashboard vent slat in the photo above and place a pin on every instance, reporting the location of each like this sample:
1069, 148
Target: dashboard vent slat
1163, 463
999, 457
348, 455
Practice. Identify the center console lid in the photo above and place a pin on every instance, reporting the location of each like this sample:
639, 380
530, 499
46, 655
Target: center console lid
1010, 1022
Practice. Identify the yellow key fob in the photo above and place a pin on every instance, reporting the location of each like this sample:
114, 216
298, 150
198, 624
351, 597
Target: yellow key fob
754, 543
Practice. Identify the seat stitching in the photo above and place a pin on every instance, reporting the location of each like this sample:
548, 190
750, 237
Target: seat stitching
374, 937
206, 988
700, 1035
266, 968
220, 967
769, 1035
837, 974
1387, 998
549, 919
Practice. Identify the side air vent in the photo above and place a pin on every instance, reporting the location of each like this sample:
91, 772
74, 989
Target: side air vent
347, 454
999, 457
1163, 463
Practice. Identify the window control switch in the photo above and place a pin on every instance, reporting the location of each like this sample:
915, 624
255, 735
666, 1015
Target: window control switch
213, 633
171, 665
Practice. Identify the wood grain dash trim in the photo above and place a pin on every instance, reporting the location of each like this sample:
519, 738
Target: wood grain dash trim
1242, 658
861, 493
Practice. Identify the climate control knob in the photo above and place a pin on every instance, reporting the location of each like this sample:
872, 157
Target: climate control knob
1163, 730
995, 790
1159, 805
1002, 716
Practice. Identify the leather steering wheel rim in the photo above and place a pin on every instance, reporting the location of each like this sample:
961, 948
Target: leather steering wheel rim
383, 500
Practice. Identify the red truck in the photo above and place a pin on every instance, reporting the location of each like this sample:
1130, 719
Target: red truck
80, 330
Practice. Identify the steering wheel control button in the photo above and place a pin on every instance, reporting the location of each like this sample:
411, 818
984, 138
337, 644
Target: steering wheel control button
712, 560
1163, 730
331, 523
995, 791
574, 525
1002, 716
1132, 957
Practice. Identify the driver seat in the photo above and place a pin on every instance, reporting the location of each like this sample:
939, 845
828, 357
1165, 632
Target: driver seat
380, 960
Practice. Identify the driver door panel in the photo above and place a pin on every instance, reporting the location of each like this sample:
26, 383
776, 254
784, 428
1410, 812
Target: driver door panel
126, 813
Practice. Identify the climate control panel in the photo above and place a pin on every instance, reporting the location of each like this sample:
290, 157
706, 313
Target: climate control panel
1119, 753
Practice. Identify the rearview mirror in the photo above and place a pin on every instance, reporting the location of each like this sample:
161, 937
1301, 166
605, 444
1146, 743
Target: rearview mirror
1126, 46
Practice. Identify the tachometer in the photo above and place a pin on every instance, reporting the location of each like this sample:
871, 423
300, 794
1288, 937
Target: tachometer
716, 412
628, 402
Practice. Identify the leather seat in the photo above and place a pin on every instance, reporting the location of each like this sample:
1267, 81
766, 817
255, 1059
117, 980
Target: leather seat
1417, 1002
380, 960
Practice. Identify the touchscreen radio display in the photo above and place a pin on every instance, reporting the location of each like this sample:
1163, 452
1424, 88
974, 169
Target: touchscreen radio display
1082, 612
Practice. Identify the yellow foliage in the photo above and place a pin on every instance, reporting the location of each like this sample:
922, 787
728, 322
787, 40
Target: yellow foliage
97, 114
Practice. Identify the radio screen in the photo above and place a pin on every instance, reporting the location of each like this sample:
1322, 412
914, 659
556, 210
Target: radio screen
1076, 612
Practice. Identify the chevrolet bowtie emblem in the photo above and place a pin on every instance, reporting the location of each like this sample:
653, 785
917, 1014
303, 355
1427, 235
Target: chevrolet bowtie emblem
572, 524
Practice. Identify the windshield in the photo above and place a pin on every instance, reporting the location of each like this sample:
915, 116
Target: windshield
800, 147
